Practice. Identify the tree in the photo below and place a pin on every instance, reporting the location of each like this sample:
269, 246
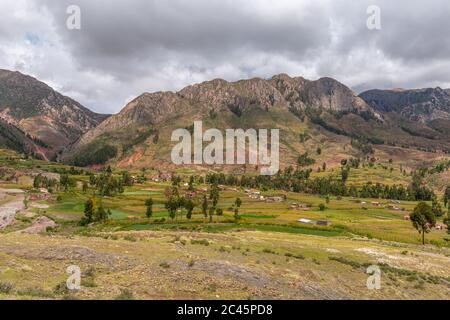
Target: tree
238, 202
211, 213
176, 180
127, 179
205, 206
141, 178
66, 182
237, 205
345, 171
89, 209
304, 160
437, 209
106, 184
191, 184
447, 221
172, 207
447, 196
85, 186
37, 181
181, 202
319, 150
92, 180
101, 215
214, 194
423, 219
189, 206
149, 205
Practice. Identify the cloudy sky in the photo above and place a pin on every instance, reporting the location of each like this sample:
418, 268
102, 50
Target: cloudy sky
127, 47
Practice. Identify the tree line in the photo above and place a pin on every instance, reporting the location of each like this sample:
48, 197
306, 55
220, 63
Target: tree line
300, 181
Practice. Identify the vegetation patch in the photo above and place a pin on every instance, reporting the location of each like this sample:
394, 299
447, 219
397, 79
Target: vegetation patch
95, 153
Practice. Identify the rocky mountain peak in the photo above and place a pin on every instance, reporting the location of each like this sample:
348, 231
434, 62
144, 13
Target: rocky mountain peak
421, 105
42, 113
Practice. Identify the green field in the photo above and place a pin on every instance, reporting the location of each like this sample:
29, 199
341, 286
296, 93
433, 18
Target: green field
266, 253
347, 216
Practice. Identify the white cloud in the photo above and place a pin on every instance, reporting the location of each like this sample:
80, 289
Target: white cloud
127, 47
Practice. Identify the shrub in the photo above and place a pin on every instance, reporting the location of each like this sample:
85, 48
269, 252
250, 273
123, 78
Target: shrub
5, 287
35, 292
130, 238
125, 294
295, 256
269, 251
202, 242
61, 289
88, 278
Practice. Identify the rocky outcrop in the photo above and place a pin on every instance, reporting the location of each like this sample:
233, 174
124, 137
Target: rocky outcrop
421, 105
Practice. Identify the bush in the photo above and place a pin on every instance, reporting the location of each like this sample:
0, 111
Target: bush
61, 289
295, 256
322, 207
5, 287
202, 242
125, 294
269, 251
35, 292
130, 238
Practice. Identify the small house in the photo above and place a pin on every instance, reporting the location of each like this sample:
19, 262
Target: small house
323, 223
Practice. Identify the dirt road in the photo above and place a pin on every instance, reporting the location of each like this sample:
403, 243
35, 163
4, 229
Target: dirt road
8, 210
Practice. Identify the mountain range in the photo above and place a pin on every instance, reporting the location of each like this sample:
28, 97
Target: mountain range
36, 119
323, 117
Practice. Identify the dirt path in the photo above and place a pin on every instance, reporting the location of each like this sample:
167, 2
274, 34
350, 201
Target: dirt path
8, 211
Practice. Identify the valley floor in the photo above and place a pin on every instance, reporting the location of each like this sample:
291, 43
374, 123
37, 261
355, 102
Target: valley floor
268, 253
230, 265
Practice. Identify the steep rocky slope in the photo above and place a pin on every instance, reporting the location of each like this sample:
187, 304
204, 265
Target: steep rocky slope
311, 114
422, 105
42, 113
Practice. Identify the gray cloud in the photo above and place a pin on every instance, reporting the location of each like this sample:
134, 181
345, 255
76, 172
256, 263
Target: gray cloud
127, 47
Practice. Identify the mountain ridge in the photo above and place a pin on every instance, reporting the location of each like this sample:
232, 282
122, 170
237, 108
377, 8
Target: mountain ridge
49, 125
43, 113
325, 107
421, 105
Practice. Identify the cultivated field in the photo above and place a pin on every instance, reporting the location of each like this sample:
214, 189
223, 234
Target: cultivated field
266, 254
